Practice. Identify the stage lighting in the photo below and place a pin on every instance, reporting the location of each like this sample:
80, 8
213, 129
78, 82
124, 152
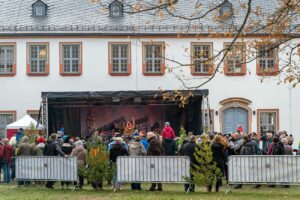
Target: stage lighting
116, 99
137, 99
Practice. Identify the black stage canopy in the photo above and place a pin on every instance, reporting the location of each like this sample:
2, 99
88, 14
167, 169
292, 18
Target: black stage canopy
64, 108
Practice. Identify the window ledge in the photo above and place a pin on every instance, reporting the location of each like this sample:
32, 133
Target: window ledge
119, 74
153, 74
235, 74
71, 74
7, 74
37, 74
262, 73
201, 74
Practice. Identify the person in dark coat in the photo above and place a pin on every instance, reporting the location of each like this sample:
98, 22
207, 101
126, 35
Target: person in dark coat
248, 148
266, 141
184, 142
169, 146
67, 148
117, 150
52, 148
219, 158
189, 150
278, 147
155, 149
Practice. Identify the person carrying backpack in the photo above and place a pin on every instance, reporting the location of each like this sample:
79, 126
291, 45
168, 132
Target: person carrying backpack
278, 147
248, 148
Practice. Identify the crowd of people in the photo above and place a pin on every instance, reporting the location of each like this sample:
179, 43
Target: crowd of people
142, 144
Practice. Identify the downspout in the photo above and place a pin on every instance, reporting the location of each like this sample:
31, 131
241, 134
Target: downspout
290, 105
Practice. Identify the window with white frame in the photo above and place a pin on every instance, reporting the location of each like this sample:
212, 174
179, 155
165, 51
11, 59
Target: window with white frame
119, 58
267, 57
38, 58
71, 58
268, 121
201, 54
235, 58
7, 59
5, 119
153, 58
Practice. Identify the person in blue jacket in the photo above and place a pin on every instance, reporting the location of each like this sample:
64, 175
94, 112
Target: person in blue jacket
19, 135
144, 141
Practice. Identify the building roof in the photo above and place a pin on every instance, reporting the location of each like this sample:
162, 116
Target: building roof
86, 17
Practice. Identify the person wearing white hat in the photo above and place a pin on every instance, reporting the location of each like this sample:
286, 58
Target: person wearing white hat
117, 150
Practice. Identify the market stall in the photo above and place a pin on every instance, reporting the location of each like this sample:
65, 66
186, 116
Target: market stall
24, 123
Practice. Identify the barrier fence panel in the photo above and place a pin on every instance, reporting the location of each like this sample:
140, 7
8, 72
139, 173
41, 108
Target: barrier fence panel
41, 168
275, 170
159, 169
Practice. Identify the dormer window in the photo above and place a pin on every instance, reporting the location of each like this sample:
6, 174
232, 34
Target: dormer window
226, 10
39, 9
116, 9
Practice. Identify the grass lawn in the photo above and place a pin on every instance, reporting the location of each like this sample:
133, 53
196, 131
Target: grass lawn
171, 191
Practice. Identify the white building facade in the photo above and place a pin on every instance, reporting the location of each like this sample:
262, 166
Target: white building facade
53, 61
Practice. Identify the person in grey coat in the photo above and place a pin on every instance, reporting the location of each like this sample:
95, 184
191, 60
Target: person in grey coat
136, 148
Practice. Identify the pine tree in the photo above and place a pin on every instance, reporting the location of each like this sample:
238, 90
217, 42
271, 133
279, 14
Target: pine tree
182, 136
206, 169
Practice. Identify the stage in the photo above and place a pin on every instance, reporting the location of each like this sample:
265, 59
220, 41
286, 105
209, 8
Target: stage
80, 113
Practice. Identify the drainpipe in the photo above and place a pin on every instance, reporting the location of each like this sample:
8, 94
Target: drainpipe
290, 96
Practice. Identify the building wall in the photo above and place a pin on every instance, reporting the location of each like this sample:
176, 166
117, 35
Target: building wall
22, 92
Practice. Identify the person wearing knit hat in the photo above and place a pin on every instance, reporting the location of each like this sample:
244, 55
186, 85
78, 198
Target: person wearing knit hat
136, 133
150, 135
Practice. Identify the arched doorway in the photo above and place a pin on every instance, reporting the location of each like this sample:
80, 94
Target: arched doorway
235, 112
233, 118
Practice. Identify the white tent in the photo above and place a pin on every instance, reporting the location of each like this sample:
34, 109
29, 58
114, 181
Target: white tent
24, 123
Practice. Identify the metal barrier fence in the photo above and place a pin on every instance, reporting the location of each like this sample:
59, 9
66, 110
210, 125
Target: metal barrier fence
275, 170
44, 168
158, 169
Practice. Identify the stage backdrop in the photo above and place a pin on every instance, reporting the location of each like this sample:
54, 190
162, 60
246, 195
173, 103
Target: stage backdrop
115, 117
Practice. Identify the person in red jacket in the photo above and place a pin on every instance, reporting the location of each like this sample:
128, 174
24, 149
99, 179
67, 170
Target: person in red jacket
1, 155
7, 155
168, 132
